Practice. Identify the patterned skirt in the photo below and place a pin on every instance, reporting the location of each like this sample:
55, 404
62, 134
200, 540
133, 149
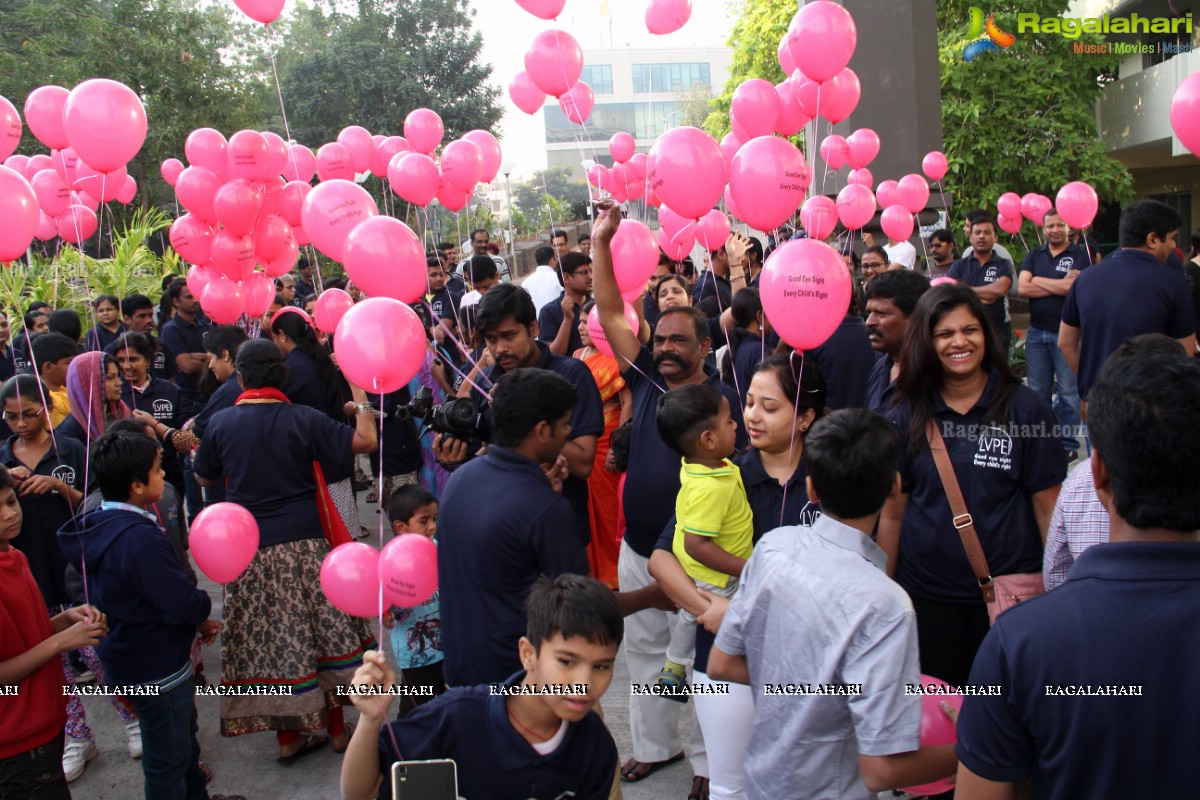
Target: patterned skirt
342, 494
280, 630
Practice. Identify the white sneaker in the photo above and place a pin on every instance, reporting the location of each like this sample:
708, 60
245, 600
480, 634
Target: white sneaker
76, 755
134, 732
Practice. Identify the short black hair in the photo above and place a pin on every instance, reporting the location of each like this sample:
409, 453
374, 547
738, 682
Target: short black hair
30, 318
38, 305
573, 605
1144, 422
111, 299
542, 255
6, 481
120, 459
26, 387
65, 321
699, 321
557, 234
260, 364
482, 268
50, 348
943, 235
135, 303
619, 444
480, 230
224, 338
801, 383
131, 425
583, 237
1145, 217
982, 218
685, 413
504, 301
405, 501
571, 262
129, 340
433, 261
879, 251
755, 249
174, 289
852, 456
523, 398
903, 287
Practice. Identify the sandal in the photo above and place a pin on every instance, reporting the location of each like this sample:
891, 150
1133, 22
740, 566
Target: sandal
207, 770
308, 746
372, 497
348, 732
672, 686
699, 789
363, 533
633, 770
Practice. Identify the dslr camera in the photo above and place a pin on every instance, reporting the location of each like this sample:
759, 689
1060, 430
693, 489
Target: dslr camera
457, 418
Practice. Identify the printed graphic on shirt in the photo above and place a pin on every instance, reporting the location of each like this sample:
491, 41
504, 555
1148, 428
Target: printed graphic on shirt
64, 473
991, 274
1065, 264
162, 409
160, 360
995, 449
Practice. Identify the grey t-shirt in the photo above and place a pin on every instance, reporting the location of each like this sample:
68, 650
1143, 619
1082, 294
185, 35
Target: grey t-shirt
815, 607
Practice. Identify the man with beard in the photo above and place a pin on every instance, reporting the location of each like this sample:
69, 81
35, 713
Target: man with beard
681, 342
891, 299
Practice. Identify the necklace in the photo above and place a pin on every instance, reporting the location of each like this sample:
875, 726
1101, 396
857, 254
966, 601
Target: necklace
512, 716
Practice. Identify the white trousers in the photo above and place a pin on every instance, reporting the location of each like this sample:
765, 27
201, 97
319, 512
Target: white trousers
726, 720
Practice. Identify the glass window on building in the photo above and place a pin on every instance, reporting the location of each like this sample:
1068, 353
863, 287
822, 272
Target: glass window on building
642, 120
670, 77
599, 77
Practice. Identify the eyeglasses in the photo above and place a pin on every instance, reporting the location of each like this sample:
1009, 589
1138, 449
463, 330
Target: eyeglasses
29, 415
584, 271
873, 264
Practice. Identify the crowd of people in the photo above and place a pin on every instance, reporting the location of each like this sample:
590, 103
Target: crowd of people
739, 516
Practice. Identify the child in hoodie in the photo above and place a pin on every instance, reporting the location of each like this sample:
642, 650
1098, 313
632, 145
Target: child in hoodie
153, 610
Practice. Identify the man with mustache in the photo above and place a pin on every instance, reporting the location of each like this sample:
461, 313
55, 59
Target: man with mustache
681, 342
891, 299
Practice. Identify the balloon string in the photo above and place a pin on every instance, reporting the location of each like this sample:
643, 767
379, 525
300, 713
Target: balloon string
720, 311
795, 425
462, 349
383, 513
287, 131
640, 372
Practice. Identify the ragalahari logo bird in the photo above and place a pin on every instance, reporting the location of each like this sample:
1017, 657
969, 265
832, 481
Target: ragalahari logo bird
986, 37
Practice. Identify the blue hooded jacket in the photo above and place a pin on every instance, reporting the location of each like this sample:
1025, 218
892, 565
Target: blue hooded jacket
134, 577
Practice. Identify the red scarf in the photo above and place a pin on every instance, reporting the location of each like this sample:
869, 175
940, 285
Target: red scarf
331, 521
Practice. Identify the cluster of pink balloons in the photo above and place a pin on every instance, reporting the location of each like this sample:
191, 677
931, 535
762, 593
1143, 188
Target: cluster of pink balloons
626, 179
553, 65
353, 574
92, 131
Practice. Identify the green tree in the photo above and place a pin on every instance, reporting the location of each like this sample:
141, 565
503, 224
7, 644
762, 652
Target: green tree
373, 65
694, 105
557, 183
754, 39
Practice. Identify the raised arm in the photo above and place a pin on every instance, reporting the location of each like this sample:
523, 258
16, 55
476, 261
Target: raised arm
609, 305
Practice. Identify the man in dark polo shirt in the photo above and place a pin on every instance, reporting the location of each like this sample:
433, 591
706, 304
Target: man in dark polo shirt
138, 311
1100, 697
713, 281
891, 299
504, 319
183, 340
681, 343
846, 360
1129, 293
986, 272
1046, 276
576, 271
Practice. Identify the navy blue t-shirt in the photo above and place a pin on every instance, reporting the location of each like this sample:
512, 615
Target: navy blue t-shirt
9, 360
264, 453
1045, 313
550, 319
224, 397
747, 356
179, 337
846, 360
968, 270
1125, 617
101, 337
653, 477
880, 386
1126, 294
501, 526
710, 283
160, 399
493, 760
445, 303
999, 469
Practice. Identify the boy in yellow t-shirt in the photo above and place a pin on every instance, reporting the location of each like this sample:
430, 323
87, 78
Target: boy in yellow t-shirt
714, 526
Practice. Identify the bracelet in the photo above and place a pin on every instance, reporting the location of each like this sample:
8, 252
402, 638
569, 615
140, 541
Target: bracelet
363, 408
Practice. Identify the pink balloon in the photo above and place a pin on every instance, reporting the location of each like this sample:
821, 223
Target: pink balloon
545, 9
784, 56
196, 188
414, 177
198, 278
462, 164
53, 194
578, 102
897, 222
380, 344
36, 164
671, 222
283, 264
408, 568
46, 228
248, 154
170, 170
103, 186
819, 216
385, 258
888, 193
264, 11
835, 151
192, 238
1009, 204
755, 107
864, 146
1028, 201
635, 189
687, 171
621, 147
358, 141
223, 302
10, 128
44, 115
667, 16
856, 206
271, 237
301, 236
1038, 208
291, 201
713, 230
207, 148
453, 198
258, 292
862, 177
19, 164
350, 579
730, 144
105, 123
936, 729
301, 164
223, 540
489, 145
913, 192
236, 205
634, 254
1009, 224
596, 331
271, 190
334, 162
844, 98
19, 214
598, 176
277, 155
675, 250
731, 204
821, 39
385, 151
233, 256
424, 130
554, 61
66, 163
331, 211
1185, 113
1077, 204
934, 165
77, 224
805, 290
525, 94
86, 200
812, 96
768, 179
637, 166
331, 306
792, 118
